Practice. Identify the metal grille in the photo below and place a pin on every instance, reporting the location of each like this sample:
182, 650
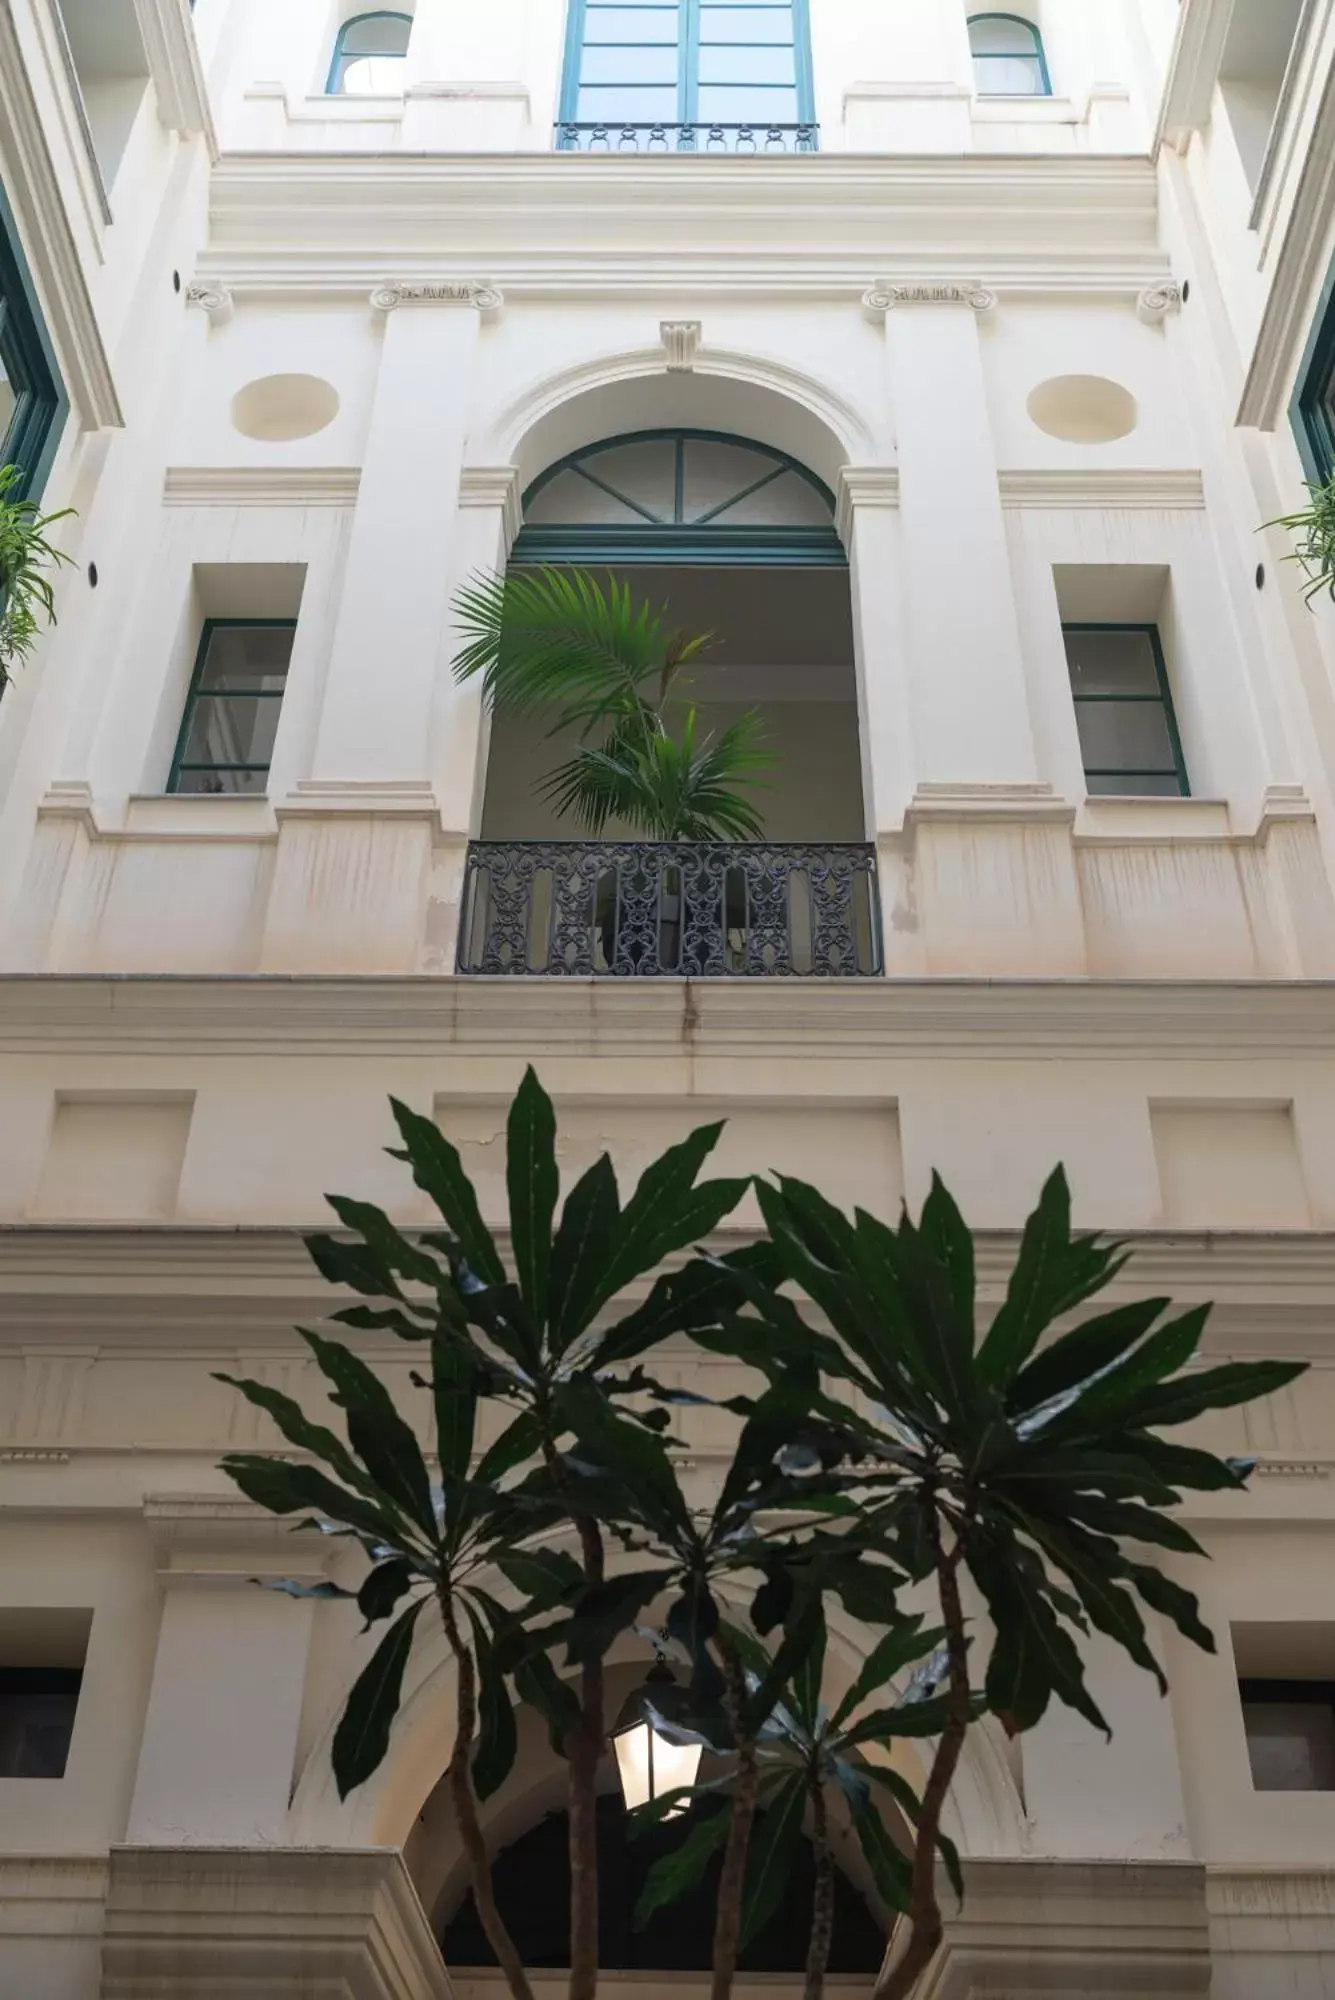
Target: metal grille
657, 910
614, 137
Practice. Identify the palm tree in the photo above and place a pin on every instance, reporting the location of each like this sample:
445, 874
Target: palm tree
556, 642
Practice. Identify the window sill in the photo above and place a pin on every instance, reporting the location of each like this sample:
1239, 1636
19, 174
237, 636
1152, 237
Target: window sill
198, 816
1132, 818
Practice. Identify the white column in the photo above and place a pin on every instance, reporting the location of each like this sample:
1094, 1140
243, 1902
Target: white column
217, 1756
971, 716
374, 723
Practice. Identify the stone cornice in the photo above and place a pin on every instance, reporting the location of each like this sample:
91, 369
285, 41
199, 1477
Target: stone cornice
540, 224
1120, 486
261, 485
1108, 1020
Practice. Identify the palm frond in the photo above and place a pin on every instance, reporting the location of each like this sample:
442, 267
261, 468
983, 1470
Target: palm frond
664, 787
555, 639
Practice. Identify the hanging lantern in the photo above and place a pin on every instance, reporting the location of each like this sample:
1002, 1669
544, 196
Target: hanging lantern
648, 1762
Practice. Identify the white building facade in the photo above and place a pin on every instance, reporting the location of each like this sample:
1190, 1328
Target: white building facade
948, 369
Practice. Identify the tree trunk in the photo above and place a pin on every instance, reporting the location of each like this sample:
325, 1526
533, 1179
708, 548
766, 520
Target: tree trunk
728, 1918
465, 1807
924, 1912
585, 1751
822, 1907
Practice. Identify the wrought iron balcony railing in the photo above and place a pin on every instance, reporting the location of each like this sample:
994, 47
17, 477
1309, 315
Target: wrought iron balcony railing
697, 138
658, 910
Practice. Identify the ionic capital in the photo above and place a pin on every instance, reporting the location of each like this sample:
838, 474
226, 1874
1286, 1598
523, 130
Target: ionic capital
485, 299
888, 294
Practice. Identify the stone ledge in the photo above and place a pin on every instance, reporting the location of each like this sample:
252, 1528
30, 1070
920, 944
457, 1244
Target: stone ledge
193, 1923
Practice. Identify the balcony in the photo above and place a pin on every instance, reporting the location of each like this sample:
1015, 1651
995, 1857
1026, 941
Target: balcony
612, 137
653, 910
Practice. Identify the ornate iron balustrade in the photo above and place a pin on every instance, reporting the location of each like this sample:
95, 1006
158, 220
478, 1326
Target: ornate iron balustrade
697, 138
660, 910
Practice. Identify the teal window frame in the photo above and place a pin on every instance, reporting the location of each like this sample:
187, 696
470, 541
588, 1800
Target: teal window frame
1035, 35
340, 58
195, 692
707, 542
1312, 410
687, 44
1165, 702
42, 403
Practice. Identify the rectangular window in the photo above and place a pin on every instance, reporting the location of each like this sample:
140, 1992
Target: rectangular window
32, 398
1313, 410
231, 712
690, 74
1124, 711
1290, 1729
37, 1706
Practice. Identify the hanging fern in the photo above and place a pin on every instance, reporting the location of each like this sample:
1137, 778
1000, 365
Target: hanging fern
26, 559
1315, 524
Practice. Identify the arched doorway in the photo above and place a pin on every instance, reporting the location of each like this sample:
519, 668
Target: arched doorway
532, 1884
736, 539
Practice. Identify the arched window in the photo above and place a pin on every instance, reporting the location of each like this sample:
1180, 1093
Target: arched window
679, 496
369, 56
687, 76
1008, 58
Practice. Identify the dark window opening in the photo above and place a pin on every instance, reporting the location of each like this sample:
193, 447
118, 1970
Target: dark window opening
37, 1706
31, 396
532, 1882
1290, 1729
1124, 711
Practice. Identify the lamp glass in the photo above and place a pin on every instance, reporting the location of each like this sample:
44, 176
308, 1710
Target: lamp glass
650, 1765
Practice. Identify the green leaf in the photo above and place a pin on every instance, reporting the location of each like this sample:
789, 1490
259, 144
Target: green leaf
635, 1460
498, 1735
1053, 1274
947, 1238
547, 1577
675, 1873
583, 1244
517, 1443
1163, 1595
650, 1223
891, 1870
292, 1489
386, 1445
362, 1736
386, 1244
772, 1855
533, 1182
896, 1649
538, 1683
298, 1429
454, 1375
804, 1638
606, 1609
1033, 1657
439, 1172
381, 1590
1083, 1353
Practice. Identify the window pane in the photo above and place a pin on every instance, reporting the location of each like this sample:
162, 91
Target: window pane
744, 104
995, 35
250, 657
1111, 663
635, 65
222, 784
377, 35
232, 729
373, 76
37, 1711
1008, 76
630, 24
622, 104
1124, 736
750, 65
13, 384
746, 24
1291, 1745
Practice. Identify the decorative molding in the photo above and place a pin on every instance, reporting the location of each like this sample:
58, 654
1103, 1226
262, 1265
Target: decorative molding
494, 486
1193, 70
1296, 279
1294, 1468
218, 1541
1120, 486
324, 798
863, 486
55, 255
1157, 301
487, 300
51, 1399
936, 801
680, 338
32, 1455
211, 298
195, 1922
887, 294
168, 31
398, 1016
261, 485
1284, 117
